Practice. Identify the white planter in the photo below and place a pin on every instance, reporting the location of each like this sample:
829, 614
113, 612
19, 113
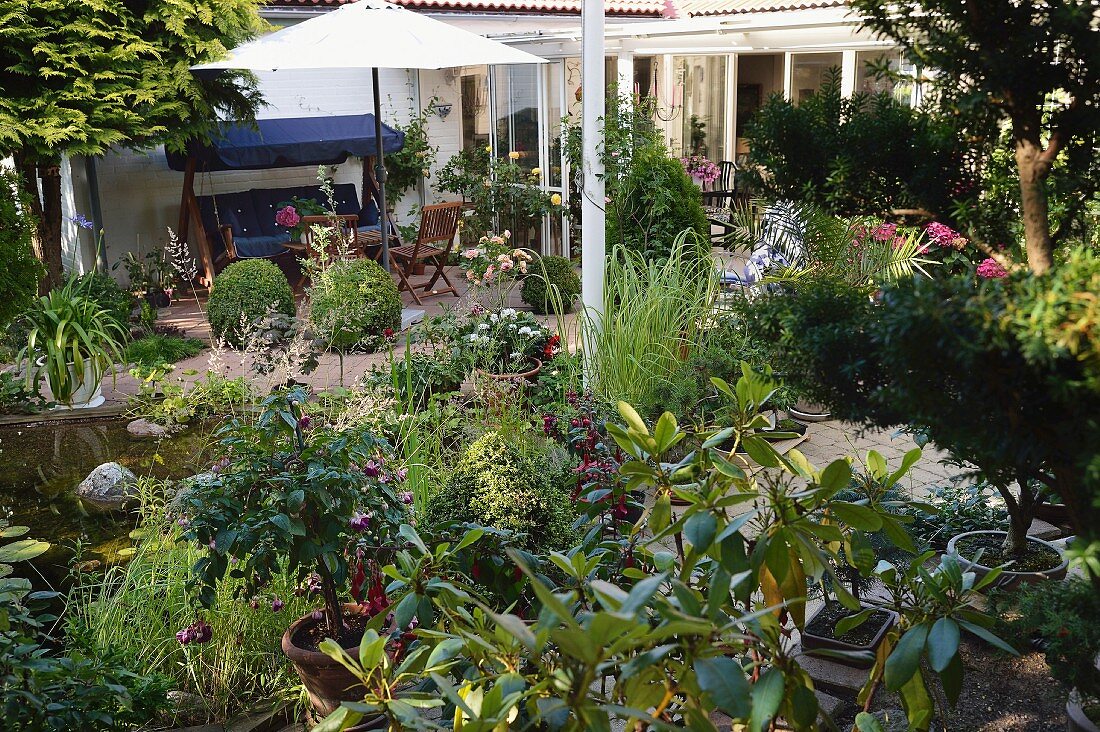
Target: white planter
85, 396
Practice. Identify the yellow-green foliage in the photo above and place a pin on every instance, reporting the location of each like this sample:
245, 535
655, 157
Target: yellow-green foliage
498, 484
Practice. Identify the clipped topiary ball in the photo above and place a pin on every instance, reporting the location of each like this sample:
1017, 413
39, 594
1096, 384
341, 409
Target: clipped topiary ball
546, 273
498, 485
244, 292
353, 303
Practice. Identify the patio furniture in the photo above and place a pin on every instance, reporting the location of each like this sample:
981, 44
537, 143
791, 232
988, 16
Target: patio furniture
719, 200
242, 225
327, 238
438, 225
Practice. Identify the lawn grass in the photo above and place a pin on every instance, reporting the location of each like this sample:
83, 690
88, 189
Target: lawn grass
157, 348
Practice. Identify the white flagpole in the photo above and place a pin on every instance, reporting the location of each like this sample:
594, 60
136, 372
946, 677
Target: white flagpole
593, 93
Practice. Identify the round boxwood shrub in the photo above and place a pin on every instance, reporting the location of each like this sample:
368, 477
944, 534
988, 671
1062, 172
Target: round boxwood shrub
353, 303
244, 292
543, 274
499, 485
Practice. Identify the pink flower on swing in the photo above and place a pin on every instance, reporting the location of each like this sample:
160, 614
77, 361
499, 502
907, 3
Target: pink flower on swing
288, 217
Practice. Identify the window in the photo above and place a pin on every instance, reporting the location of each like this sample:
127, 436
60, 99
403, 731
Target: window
475, 107
869, 82
809, 72
702, 81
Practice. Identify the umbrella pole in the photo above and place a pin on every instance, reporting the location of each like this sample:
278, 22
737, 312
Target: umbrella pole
380, 173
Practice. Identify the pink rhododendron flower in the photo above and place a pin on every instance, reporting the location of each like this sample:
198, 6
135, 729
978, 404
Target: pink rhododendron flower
945, 236
991, 269
885, 232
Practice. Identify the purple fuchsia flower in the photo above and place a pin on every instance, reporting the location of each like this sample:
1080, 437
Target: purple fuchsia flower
277, 605
991, 269
359, 521
372, 469
288, 217
407, 498
82, 221
197, 632
304, 421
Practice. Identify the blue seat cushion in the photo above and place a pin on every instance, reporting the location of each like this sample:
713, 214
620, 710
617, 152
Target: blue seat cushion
254, 247
369, 227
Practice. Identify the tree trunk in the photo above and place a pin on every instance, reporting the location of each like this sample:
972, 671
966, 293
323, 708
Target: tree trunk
1034, 206
51, 222
334, 612
28, 179
1016, 540
46, 208
1020, 515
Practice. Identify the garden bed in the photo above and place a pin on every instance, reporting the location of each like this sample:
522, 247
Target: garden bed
1000, 693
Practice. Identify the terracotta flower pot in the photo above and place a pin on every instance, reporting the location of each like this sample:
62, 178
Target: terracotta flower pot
531, 374
1008, 580
327, 682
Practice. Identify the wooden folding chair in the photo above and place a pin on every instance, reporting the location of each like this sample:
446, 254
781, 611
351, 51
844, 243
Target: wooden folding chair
438, 225
339, 240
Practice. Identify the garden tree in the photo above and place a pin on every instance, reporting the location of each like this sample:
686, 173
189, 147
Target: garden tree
858, 155
78, 77
1034, 64
1005, 375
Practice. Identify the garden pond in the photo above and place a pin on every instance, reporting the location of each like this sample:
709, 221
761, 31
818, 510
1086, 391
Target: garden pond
42, 463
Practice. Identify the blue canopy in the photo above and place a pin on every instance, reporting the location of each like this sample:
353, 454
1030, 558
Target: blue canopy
284, 143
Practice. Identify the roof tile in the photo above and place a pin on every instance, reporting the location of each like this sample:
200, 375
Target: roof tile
648, 8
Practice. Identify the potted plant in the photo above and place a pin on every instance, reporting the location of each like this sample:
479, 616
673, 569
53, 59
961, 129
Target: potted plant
309, 501
289, 215
72, 340
833, 626
494, 267
702, 171
980, 551
507, 344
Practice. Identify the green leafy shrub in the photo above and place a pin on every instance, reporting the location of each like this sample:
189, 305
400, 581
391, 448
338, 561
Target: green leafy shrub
20, 271
549, 280
111, 297
243, 293
689, 392
353, 304
656, 202
498, 484
960, 507
999, 373
864, 154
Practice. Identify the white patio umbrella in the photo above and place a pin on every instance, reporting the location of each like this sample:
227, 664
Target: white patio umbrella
376, 35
